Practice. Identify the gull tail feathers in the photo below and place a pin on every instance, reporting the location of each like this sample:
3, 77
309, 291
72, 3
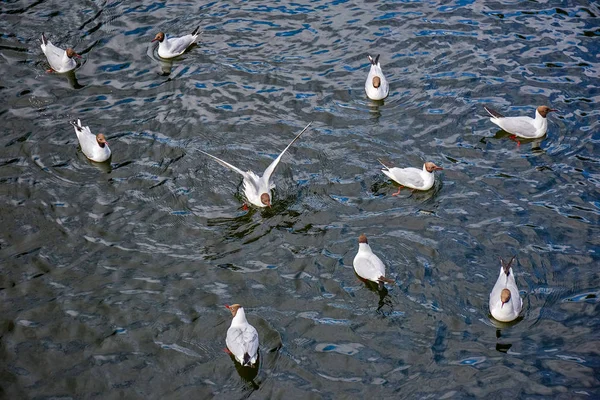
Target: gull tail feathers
374, 61
384, 166
506, 266
493, 113
196, 31
44, 40
77, 125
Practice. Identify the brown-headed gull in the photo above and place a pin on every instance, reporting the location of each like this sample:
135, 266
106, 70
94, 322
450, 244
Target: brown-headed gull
95, 147
376, 86
257, 189
60, 60
242, 338
173, 47
413, 178
367, 265
505, 302
524, 127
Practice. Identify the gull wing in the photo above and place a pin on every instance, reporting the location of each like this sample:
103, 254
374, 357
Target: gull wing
269, 171
227, 165
410, 177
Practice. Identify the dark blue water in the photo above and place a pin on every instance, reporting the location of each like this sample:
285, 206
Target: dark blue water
113, 278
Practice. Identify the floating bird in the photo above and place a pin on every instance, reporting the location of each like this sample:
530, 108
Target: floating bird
242, 338
505, 302
524, 127
367, 265
95, 147
60, 60
376, 86
257, 189
413, 178
173, 47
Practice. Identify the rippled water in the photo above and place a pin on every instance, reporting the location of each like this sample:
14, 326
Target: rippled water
114, 276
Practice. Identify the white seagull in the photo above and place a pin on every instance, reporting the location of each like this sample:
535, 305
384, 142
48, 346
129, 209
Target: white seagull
524, 127
413, 178
173, 47
242, 338
95, 147
376, 86
257, 189
505, 302
60, 60
367, 265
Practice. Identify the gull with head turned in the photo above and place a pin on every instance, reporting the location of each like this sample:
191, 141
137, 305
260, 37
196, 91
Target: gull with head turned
173, 47
95, 147
60, 60
505, 302
376, 86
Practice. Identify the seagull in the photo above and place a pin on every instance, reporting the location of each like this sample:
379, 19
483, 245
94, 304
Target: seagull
257, 189
60, 60
376, 86
173, 47
95, 147
367, 265
242, 338
413, 178
524, 127
505, 302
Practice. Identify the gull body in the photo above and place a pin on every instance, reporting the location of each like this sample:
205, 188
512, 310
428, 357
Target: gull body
376, 85
257, 189
242, 338
413, 178
524, 127
173, 47
95, 147
367, 265
60, 60
505, 302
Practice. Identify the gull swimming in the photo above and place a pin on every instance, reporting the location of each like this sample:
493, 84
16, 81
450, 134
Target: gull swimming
173, 47
410, 177
367, 265
257, 189
523, 127
242, 338
505, 302
60, 60
376, 86
95, 147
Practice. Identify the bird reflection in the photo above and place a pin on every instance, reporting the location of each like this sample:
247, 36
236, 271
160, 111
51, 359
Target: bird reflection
248, 374
166, 65
535, 143
105, 166
502, 347
374, 109
73, 80
384, 298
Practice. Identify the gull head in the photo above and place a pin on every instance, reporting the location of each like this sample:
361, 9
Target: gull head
430, 167
376, 82
233, 308
160, 36
363, 239
504, 296
101, 140
265, 199
71, 53
544, 110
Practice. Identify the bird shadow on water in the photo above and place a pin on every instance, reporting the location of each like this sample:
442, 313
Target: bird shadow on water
536, 144
248, 374
384, 306
503, 347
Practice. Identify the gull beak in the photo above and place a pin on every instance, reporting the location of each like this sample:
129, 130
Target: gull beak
227, 306
438, 168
